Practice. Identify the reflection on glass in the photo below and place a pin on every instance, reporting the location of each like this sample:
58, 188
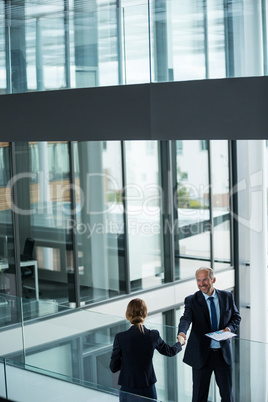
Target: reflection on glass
110, 45
2, 52
7, 262
188, 266
73, 44
85, 43
136, 44
155, 321
44, 43
184, 375
143, 202
192, 208
43, 188
221, 265
163, 366
188, 39
7, 266
99, 225
216, 39
221, 207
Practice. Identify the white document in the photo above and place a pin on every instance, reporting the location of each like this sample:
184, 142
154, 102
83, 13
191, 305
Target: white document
220, 335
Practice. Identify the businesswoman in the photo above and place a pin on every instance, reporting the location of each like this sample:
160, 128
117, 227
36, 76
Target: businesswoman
133, 353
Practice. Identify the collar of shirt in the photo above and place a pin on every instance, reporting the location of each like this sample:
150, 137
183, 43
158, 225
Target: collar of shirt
214, 294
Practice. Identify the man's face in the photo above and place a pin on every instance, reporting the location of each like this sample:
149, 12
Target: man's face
204, 283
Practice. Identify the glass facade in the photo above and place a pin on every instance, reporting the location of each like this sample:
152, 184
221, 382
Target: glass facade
68, 44
42, 185
99, 222
7, 260
143, 209
193, 210
107, 218
91, 218
221, 202
202, 198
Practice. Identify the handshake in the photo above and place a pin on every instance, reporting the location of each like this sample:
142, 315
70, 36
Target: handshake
181, 338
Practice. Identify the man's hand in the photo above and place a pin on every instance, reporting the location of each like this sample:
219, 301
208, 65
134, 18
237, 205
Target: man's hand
183, 335
227, 329
181, 339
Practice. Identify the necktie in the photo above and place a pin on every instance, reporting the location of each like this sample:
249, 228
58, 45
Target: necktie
214, 321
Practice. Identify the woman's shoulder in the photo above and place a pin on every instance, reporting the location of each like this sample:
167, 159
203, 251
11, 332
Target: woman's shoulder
122, 334
152, 332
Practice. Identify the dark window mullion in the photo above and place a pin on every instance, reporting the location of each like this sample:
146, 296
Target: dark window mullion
125, 218
15, 219
74, 232
211, 205
167, 212
231, 200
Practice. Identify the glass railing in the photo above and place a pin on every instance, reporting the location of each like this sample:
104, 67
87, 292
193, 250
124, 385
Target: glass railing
75, 346
22, 382
61, 44
14, 310
16, 314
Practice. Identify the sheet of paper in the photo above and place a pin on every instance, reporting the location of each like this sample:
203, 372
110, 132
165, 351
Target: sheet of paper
220, 335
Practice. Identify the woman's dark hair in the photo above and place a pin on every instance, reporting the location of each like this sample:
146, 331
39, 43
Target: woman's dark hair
136, 312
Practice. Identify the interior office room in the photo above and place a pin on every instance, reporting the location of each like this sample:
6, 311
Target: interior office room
133, 151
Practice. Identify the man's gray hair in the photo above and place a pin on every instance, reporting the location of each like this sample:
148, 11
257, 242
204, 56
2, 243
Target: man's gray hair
208, 269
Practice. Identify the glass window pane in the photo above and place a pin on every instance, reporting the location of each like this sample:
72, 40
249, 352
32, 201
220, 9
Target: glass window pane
143, 198
85, 42
216, 38
136, 44
7, 262
187, 39
44, 202
221, 206
192, 209
2, 50
156, 321
184, 374
45, 52
100, 224
110, 45
188, 266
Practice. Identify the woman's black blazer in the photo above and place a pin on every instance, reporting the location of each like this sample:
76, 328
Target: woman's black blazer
133, 353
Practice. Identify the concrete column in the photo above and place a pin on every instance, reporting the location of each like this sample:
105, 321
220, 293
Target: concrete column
258, 270
253, 267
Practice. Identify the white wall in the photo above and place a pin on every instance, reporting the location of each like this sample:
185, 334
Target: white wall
253, 282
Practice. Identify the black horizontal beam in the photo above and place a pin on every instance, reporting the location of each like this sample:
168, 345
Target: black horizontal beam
231, 108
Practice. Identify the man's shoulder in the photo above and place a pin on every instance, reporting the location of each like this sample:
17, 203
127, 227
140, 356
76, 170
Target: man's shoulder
193, 297
224, 293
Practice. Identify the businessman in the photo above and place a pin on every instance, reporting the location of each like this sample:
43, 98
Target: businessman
208, 310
